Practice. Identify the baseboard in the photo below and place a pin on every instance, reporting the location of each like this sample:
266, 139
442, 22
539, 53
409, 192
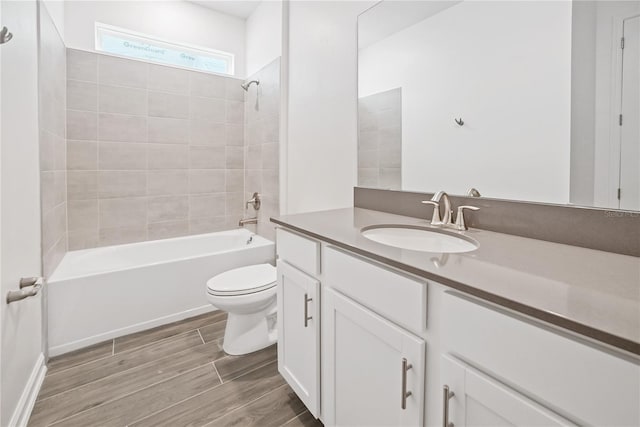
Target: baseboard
29, 395
95, 339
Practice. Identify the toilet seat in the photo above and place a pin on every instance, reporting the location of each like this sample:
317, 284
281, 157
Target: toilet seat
243, 280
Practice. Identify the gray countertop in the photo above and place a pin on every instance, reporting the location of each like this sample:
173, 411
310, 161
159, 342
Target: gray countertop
593, 293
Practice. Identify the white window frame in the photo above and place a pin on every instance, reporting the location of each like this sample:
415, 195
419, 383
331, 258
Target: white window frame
101, 29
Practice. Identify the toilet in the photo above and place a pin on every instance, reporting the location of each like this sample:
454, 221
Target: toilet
248, 294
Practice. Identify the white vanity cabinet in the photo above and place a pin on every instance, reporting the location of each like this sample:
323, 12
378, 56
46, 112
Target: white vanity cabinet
361, 345
298, 318
471, 398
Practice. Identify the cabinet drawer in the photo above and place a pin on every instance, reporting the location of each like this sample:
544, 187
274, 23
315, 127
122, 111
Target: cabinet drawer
581, 382
395, 296
299, 251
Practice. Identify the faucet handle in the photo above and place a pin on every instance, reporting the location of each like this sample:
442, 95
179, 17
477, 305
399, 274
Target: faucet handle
435, 218
460, 223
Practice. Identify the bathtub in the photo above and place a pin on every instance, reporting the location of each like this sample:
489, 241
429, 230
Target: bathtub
102, 293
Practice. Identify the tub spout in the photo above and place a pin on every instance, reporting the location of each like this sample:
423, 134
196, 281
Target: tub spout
245, 221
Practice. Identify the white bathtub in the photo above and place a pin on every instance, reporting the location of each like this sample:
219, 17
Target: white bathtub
102, 293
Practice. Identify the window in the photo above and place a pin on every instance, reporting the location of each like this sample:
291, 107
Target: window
118, 41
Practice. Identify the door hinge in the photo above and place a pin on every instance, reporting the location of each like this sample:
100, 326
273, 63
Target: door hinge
620, 120
619, 191
622, 43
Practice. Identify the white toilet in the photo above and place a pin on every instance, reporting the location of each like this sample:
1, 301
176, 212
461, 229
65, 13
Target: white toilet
248, 294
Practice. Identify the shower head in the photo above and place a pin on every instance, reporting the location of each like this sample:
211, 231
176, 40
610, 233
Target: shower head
246, 85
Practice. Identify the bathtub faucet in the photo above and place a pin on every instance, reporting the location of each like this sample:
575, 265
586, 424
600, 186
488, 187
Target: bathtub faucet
245, 221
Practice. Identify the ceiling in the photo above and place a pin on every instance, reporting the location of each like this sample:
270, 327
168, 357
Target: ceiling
238, 8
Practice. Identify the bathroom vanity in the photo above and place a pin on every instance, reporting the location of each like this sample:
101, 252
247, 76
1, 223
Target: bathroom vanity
518, 331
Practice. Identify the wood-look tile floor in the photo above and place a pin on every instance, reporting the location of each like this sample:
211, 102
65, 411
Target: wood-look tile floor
173, 375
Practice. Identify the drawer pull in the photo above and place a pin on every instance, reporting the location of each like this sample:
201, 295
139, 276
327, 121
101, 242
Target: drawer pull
446, 395
405, 367
306, 310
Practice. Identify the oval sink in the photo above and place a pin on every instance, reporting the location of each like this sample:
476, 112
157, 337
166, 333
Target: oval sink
419, 239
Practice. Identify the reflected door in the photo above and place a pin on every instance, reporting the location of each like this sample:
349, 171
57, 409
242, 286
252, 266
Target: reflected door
630, 133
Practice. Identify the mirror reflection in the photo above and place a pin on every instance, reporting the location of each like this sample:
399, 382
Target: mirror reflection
524, 100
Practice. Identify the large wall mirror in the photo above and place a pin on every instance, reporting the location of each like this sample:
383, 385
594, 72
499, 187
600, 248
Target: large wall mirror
526, 100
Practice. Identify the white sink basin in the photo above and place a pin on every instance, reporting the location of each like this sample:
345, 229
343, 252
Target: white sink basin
419, 239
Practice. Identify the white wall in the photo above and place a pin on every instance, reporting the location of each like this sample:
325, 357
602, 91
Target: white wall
177, 20
322, 105
263, 35
56, 11
505, 68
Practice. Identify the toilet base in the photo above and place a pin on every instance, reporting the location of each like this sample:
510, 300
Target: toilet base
246, 333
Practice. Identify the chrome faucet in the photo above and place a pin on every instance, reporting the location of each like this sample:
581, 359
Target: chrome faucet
435, 202
245, 221
255, 201
447, 218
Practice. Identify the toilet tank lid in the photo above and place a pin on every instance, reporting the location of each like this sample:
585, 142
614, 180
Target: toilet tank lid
246, 278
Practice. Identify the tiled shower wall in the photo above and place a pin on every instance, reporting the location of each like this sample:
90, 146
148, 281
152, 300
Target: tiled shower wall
153, 151
262, 124
380, 140
51, 87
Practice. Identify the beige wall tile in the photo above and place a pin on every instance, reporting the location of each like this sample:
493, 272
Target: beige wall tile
122, 235
82, 155
167, 229
167, 156
233, 89
270, 156
168, 208
168, 130
82, 185
122, 156
122, 72
207, 225
207, 133
83, 239
254, 157
235, 203
129, 212
162, 104
166, 182
122, 100
82, 125
270, 181
52, 258
168, 79
207, 205
235, 134
203, 157
206, 181
82, 95
122, 128
207, 85
54, 226
208, 109
235, 157
119, 184
254, 180
234, 181
82, 65
83, 215
235, 112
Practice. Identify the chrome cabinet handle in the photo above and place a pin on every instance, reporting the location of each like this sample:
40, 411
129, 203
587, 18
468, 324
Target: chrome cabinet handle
405, 367
34, 283
306, 310
446, 395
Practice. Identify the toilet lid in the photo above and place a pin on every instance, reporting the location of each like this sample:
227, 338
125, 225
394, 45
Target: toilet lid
243, 280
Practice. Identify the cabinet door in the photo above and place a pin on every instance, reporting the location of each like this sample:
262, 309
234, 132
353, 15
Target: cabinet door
374, 370
479, 400
299, 334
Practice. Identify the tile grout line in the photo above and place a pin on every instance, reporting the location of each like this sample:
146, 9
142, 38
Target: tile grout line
202, 392
113, 347
200, 333
245, 405
217, 373
128, 394
296, 417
